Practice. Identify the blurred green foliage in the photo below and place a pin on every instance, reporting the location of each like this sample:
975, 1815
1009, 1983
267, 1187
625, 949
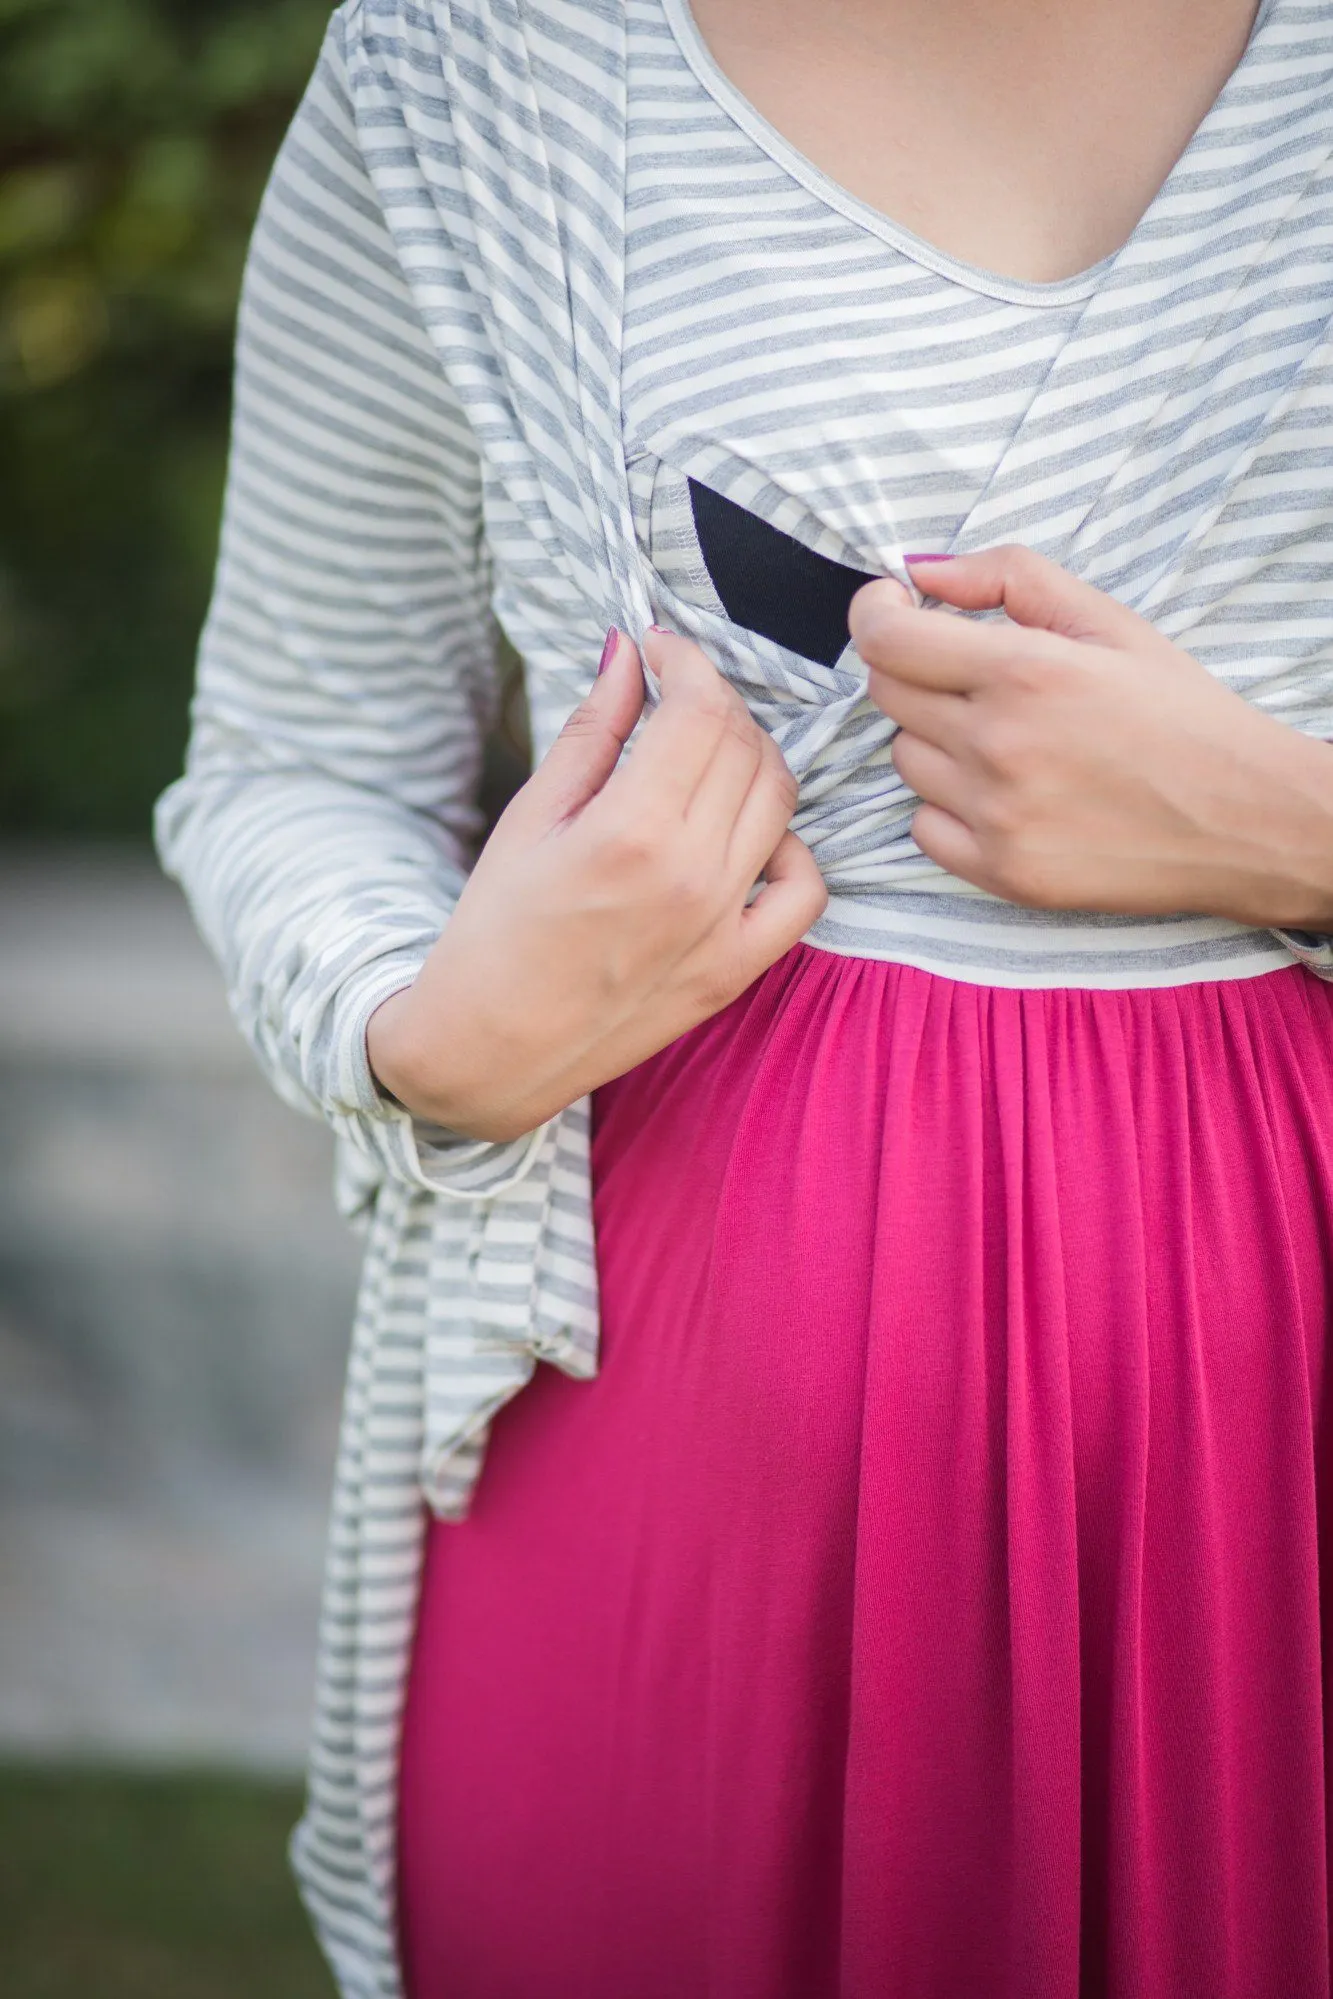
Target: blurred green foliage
150, 1887
135, 138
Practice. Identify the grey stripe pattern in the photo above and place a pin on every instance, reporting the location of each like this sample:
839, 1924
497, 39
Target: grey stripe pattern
496, 314
866, 393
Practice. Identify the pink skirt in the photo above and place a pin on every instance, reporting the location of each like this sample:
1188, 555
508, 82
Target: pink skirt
928, 1600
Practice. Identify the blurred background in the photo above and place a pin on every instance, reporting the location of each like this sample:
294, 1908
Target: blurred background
175, 1290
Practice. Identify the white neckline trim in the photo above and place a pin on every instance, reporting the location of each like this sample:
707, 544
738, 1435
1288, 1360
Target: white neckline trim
971, 277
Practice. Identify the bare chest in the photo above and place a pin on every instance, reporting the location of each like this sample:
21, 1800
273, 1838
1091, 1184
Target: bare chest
1024, 136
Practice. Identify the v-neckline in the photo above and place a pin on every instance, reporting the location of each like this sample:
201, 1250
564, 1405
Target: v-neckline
1082, 285
1052, 489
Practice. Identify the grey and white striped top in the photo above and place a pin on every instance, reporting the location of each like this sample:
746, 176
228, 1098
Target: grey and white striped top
526, 268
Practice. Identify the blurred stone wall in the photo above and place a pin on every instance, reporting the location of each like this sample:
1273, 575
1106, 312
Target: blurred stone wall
175, 1300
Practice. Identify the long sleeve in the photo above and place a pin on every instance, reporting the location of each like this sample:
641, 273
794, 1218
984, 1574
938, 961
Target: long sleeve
347, 669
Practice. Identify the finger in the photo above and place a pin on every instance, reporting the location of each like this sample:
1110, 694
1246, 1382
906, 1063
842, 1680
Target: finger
763, 818
950, 843
722, 790
1031, 590
588, 748
682, 734
926, 711
934, 775
792, 897
928, 649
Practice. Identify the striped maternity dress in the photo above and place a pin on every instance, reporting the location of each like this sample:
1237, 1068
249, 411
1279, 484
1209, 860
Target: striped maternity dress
927, 1595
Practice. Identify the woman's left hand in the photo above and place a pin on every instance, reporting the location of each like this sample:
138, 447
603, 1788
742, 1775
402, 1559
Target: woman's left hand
1070, 757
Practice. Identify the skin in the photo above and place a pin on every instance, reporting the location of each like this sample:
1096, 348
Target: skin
1068, 756
1072, 758
607, 913
1024, 136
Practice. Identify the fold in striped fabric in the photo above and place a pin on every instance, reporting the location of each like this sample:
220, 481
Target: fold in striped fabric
525, 270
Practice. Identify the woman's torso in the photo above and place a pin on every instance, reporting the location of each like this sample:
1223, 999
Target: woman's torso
833, 377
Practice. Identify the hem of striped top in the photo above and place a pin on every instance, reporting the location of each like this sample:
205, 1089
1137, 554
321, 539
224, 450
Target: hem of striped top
1016, 949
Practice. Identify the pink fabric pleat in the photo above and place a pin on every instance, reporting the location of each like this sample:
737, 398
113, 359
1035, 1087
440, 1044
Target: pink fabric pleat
928, 1598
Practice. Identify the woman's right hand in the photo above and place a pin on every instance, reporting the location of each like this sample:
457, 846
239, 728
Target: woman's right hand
607, 913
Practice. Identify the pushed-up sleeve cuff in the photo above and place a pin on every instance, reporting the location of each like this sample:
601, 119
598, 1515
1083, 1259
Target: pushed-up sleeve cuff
400, 1146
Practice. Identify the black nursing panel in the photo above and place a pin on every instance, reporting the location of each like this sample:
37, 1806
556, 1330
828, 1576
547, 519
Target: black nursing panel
772, 584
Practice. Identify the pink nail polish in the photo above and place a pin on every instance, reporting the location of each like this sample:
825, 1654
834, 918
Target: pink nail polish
660, 628
609, 649
930, 558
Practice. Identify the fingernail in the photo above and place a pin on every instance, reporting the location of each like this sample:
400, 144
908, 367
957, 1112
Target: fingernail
609, 649
929, 558
662, 633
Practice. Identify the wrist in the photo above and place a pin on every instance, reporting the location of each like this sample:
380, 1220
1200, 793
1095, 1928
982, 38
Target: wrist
1291, 820
412, 1068
391, 1051
407, 1069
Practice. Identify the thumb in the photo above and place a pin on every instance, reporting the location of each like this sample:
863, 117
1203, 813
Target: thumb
1031, 590
588, 748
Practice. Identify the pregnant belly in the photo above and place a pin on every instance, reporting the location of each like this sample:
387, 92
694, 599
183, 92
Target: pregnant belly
907, 1582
